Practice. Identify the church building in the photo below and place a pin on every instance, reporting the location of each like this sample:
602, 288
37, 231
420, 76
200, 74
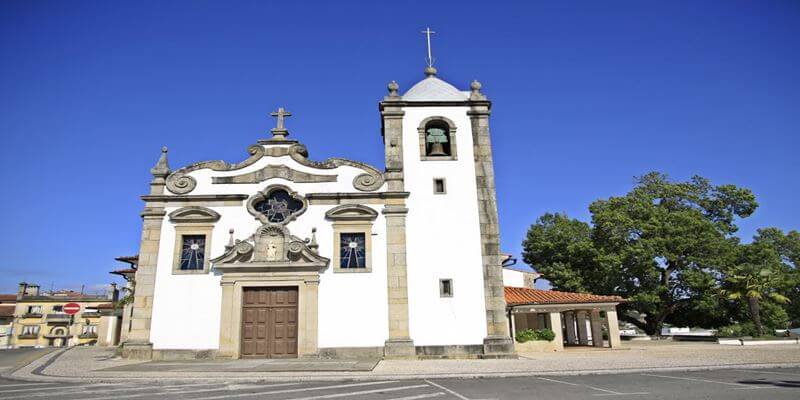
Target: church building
279, 256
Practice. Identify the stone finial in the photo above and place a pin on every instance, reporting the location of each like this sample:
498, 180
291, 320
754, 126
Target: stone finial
230, 241
476, 91
313, 243
161, 169
430, 71
393, 87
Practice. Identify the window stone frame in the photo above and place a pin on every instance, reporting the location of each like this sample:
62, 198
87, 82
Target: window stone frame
444, 185
185, 230
352, 218
444, 295
451, 135
264, 194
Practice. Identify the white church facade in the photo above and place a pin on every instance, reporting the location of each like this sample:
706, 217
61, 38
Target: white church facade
279, 256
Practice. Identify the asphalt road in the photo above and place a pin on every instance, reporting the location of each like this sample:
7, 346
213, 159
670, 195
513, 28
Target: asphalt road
13, 358
726, 384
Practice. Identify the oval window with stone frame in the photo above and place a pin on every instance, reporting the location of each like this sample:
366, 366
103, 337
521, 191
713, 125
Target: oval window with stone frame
278, 206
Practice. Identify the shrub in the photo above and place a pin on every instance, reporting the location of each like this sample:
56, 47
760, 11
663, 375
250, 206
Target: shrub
737, 330
535, 334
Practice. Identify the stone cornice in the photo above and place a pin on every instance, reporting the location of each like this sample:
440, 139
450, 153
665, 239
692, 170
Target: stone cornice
357, 195
306, 266
195, 198
464, 103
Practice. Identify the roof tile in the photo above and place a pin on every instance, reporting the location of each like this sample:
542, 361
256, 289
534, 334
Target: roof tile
8, 298
7, 310
519, 296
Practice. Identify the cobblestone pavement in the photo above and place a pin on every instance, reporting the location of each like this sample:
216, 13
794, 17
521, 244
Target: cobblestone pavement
744, 384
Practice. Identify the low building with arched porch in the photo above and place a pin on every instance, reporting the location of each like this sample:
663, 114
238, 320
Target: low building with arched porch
577, 319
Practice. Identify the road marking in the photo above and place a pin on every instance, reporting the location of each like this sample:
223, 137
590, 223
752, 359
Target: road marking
47, 391
704, 381
420, 396
37, 388
289, 390
460, 396
605, 391
766, 372
27, 384
218, 388
99, 389
349, 394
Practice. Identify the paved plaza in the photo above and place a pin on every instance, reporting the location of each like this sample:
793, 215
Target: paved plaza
655, 370
101, 364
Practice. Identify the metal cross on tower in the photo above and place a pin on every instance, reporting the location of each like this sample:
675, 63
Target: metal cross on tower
428, 32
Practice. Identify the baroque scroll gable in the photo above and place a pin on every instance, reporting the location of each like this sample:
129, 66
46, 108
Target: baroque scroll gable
180, 182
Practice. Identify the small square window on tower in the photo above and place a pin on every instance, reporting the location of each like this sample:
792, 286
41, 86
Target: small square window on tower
439, 186
445, 288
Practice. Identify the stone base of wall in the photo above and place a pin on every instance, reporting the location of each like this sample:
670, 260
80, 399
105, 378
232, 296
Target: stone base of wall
351, 352
540, 346
392, 350
399, 349
498, 347
450, 351
137, 351
178, 354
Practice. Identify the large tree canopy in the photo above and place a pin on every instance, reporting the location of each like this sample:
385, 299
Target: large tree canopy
660, 246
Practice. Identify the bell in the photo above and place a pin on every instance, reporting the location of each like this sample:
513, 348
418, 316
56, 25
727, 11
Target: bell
437, 149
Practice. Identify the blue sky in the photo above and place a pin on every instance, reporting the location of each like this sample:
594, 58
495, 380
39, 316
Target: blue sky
586, 96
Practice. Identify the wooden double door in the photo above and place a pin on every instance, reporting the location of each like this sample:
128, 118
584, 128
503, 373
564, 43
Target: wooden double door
269, 322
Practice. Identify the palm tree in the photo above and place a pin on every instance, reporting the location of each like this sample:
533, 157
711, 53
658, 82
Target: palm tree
757, 276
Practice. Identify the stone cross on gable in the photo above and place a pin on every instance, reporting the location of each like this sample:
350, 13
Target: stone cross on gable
279, 132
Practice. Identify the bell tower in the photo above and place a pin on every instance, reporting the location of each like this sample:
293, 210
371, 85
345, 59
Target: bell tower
438, 150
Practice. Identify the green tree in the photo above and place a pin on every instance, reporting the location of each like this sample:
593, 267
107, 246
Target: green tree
758, 275
659, 246
787, 246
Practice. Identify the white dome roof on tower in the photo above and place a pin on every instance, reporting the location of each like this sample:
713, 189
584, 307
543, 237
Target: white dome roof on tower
434, 89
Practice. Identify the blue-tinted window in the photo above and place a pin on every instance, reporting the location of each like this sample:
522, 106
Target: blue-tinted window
352, 250
193, 252
278, 206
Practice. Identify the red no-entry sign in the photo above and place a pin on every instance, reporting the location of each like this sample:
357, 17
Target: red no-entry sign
72, 308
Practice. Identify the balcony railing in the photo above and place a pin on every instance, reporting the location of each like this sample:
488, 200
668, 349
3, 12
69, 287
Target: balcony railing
28, 336
56, 318
31, 315
90, 314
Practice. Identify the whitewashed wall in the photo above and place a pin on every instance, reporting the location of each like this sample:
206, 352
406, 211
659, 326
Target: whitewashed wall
186, 308
443, 237
513, 278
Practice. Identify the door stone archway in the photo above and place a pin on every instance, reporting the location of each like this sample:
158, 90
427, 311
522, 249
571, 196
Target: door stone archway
293, 271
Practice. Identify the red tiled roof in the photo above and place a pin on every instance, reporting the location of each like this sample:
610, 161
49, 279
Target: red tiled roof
8, 298
518, 296
7, 310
